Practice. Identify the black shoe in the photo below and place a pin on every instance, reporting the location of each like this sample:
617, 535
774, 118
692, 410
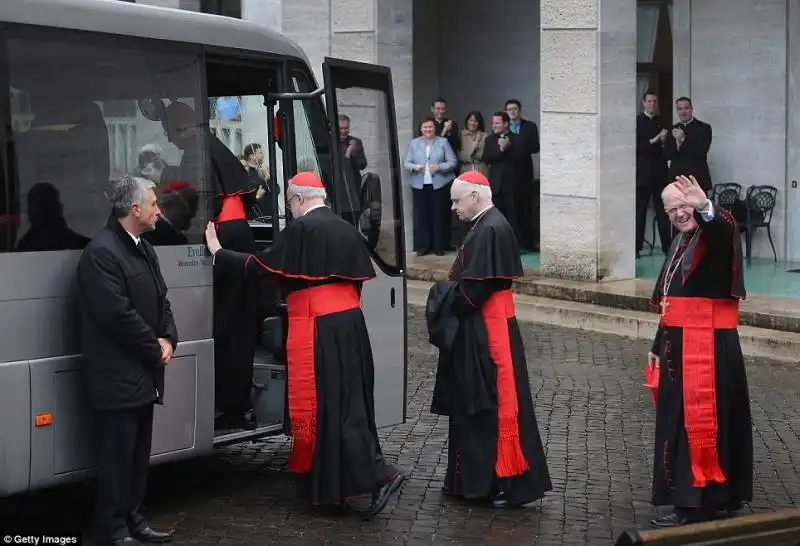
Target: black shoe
684, 516
149, 536
674, 519
423, 252
381, 497
234, 422
499, 502
439, 253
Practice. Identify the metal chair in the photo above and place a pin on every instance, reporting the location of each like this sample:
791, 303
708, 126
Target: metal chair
759, 203
726, 195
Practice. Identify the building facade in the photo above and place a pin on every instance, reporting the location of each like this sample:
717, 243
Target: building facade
579, 68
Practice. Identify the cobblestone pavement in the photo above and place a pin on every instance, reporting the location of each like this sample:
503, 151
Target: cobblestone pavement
596, 421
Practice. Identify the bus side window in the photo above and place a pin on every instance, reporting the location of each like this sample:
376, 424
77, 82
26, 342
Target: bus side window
76, 124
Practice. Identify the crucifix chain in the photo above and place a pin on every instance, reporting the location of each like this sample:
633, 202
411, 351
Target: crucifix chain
672, 269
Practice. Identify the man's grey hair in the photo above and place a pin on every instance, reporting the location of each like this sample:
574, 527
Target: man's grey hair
308, 193
127, 191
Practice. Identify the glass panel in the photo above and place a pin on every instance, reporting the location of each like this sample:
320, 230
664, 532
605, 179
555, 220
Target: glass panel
646, 30
240, 122
77, 123
366, 198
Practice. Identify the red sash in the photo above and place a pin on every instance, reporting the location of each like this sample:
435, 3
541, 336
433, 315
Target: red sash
497, 311
303, 307
699, 317
232, 209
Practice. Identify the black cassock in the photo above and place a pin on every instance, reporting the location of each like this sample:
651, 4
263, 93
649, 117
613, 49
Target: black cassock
702, 391
482, 384
236, 298
319, 263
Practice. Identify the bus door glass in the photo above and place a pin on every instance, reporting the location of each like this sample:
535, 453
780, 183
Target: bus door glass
368, 194
240, 118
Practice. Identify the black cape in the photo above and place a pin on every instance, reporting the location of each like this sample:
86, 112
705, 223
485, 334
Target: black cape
711, 268
466, 387
315, 249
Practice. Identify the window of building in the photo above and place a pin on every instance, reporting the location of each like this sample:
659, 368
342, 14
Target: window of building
87, 109
227, 8
654, 53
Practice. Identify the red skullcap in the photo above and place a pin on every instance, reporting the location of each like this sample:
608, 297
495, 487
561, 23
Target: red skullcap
473, 177
175, 185
307, 179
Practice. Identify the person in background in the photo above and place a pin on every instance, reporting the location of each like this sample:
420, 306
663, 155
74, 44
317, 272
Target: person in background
128, 337
473, 137
432, 165
651, 171
703, 456
527, 185
348, 197
505, 153
687, 145
320, 263
447, 129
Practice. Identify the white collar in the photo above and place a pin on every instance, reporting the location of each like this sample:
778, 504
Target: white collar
315, 207
475, 218
134, 237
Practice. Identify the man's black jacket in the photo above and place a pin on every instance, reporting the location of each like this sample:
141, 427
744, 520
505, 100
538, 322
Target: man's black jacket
124, 310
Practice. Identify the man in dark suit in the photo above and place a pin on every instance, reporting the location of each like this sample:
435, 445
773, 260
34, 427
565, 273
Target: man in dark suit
686, 147
505, 153
651, 172
527, 186
128, 336
348, 197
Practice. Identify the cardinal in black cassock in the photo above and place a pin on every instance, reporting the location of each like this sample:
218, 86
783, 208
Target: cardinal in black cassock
495, 451
320, 263
236, 298
703, 460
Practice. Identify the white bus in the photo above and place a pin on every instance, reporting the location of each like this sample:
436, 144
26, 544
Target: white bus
83, 97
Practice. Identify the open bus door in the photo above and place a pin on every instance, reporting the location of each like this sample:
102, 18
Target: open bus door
363, 93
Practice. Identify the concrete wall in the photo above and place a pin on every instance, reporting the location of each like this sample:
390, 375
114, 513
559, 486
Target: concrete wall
588, 162
476, 55
738, 85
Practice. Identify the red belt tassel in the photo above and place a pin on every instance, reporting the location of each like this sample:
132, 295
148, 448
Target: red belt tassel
497, 311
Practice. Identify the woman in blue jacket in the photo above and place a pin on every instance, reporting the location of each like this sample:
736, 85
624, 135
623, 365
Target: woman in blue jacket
432, 163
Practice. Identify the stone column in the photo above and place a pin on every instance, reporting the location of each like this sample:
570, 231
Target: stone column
588, 160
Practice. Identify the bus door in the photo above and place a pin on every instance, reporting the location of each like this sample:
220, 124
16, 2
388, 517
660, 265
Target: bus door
364, 187
367, 186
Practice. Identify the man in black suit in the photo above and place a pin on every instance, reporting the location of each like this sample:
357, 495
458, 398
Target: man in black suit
348, 196
505, 153
651, 172
686, 147
528, 197
128, 336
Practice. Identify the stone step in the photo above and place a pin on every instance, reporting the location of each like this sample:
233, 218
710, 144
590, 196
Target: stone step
633, 295
756, 342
